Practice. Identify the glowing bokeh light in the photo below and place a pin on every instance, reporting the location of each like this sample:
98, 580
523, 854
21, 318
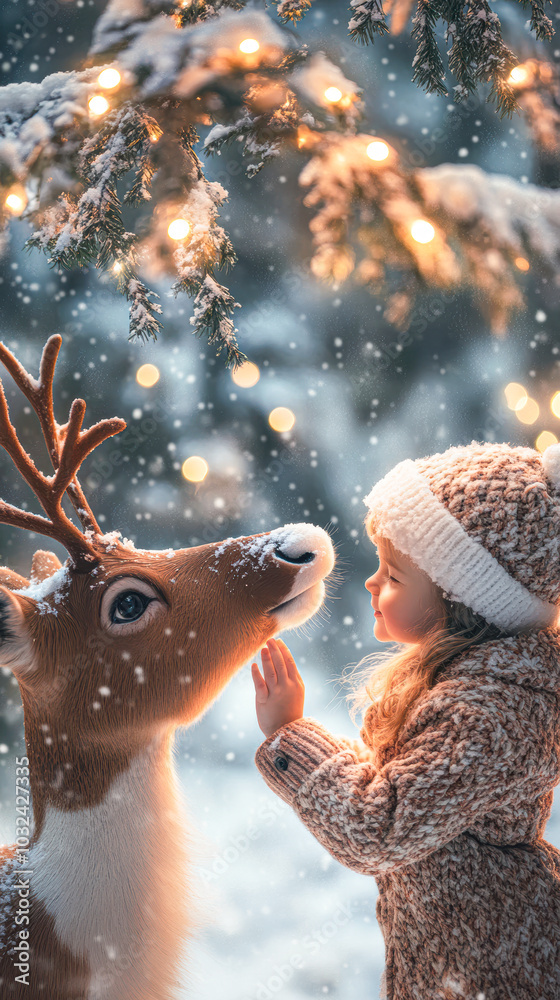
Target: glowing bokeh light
545, 439
281, 419
15, 203
195, 469
147, 375
522, 264
98, 105
333, 94
109, 79
516, 395
378, 150
422, 231
529, 412
178, 229
246, 375
249, 45
555, 404
518, 75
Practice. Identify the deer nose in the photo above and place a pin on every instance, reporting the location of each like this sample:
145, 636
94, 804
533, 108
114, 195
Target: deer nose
303, 545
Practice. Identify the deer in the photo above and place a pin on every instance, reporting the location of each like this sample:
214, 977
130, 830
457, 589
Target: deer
113, 651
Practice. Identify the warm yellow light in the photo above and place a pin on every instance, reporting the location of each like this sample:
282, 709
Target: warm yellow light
153, 137
147, 375
246, 375
333, 94
555, 404
98, 105
377, 150
545, 439
109, 79
529, 412
522, 264
178, 229
195, 469
281, 419
15, 203
249, 45
422, 231
117, 267
518, 75
516, 395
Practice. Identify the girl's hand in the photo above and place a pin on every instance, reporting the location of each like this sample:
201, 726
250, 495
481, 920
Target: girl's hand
279, 696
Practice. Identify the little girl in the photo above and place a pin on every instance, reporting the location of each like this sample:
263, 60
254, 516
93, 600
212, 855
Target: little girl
445, 798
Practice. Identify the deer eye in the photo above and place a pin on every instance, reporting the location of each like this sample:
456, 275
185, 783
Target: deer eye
129, 606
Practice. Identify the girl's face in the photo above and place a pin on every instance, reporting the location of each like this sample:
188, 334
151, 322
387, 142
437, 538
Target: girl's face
404, 599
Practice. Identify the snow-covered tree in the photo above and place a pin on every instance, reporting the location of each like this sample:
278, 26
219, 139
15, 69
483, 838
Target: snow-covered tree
80, 148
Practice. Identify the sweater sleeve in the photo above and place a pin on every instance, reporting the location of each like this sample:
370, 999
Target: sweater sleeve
459, 764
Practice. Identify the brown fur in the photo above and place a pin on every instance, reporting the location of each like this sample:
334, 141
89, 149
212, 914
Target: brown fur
75, 760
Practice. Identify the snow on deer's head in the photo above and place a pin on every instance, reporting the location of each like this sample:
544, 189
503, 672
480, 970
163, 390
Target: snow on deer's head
121, 642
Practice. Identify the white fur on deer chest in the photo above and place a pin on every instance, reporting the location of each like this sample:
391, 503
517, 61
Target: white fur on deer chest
111, 876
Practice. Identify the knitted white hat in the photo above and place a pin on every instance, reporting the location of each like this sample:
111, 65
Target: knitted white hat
483, 521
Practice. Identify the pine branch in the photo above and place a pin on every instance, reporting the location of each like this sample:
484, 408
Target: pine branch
143, 322
427, 63
368, 20
190, 12
292, 10
213, 307
487, 230
478, 54
540, 23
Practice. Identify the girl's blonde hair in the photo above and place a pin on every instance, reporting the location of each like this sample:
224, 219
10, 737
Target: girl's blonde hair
396, 678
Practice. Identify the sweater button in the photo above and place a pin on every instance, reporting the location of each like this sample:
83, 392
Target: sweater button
281, 763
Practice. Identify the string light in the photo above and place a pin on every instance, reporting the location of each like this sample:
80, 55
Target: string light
195, 469
249, 45
98, 105
117, 267
522, 264
147, 376
529, 412
15, 203
516, 395
518, 74
178, 229
422, 231
109, 79
281, 419
555, 404
545, 439
377, 150
246, 375
333, 95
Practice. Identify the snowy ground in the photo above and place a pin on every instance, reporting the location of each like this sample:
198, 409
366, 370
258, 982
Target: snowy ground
285, 920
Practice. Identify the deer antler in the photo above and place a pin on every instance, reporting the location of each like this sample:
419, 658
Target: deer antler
67, 445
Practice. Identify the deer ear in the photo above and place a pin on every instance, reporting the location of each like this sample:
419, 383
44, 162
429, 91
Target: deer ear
43, 565
15, 647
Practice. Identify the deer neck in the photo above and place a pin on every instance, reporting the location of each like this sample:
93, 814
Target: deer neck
109, 870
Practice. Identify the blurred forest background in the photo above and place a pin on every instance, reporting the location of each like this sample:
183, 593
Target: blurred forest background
363, 396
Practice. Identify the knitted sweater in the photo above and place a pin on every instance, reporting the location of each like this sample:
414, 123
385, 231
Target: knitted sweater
449, 823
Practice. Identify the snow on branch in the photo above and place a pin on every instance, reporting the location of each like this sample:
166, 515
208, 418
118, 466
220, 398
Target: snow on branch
275, 115
477, 52
72, 155
537, 84
452, 227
